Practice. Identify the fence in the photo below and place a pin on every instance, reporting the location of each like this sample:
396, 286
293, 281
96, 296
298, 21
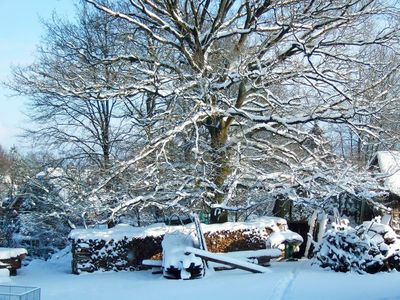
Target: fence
10, 292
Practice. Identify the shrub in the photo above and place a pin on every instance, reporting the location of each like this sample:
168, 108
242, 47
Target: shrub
370, 247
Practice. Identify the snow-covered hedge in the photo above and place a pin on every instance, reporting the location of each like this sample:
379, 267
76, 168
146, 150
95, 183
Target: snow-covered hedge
368, 248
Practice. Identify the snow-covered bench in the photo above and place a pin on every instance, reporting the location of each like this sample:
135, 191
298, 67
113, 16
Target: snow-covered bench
11, 258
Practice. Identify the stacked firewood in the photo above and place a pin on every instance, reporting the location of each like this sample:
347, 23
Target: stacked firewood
238, 240
125, 254
92, 252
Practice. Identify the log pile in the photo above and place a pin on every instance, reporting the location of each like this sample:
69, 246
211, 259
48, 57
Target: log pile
126, 254
239, 240
124, 248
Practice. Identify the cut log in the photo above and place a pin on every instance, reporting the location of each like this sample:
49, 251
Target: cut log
224, 259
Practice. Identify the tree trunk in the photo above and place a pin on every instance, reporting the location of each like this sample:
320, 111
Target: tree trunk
218, 129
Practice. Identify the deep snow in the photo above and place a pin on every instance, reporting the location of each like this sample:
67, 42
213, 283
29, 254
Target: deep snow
287, 280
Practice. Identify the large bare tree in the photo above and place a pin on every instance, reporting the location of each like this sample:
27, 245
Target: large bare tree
233, 97
74, 104
239, 85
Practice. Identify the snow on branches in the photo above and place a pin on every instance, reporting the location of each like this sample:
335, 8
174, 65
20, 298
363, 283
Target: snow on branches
185, 105
368, 248
262, 79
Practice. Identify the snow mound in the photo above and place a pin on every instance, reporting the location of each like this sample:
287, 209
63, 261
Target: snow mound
119, 232
369, 248
175, 257
123, 231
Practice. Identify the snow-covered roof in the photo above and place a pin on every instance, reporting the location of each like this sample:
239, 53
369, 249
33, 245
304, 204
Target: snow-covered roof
389, 163
7, 253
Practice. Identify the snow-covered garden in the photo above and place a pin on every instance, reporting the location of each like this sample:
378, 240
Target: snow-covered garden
151, 116
105, 272
287, 280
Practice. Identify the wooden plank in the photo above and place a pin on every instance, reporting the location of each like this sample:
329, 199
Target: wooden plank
224, 259
152, 263
271, 253
200, 236
199, 231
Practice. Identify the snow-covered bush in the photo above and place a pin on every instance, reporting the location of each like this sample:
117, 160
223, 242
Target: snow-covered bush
370, 247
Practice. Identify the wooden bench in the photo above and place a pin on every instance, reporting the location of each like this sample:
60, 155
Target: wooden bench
11, 259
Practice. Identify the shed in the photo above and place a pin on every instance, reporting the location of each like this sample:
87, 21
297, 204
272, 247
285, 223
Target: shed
388, 163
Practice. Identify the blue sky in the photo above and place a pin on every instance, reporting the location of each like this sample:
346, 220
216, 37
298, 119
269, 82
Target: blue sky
20, 33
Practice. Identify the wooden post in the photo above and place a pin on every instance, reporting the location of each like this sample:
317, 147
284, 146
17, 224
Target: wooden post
310, 235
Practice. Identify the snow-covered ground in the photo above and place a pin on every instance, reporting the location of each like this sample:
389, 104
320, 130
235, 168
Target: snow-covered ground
287, 280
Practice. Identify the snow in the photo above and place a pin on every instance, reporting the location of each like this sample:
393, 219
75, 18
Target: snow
227, 258
389, 163
263, 222
51, 173
122, 231
4, 273
385, 230
255, 253
119, 232
174, 245
6, 253
278, 238
287, 280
